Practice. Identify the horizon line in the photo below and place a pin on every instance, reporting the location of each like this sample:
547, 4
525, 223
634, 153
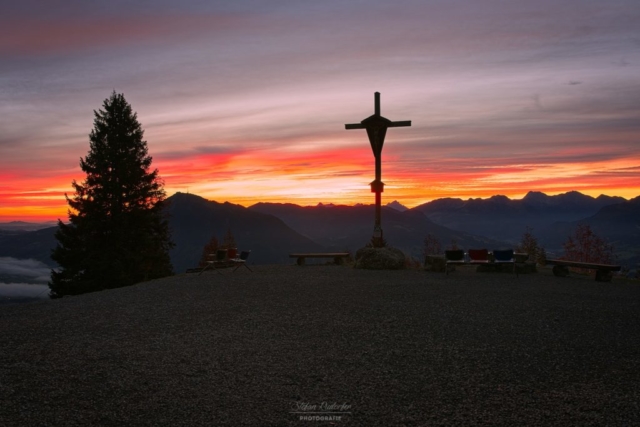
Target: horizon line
4, 219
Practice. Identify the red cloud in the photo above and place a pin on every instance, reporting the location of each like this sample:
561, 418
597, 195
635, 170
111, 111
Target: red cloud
29, 36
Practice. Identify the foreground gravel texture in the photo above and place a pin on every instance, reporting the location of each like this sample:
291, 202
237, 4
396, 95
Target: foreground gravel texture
408, 348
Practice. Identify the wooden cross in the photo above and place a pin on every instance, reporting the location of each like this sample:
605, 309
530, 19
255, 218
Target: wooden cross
376, 127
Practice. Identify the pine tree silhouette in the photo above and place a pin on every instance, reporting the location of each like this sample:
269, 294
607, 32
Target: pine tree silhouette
117, 234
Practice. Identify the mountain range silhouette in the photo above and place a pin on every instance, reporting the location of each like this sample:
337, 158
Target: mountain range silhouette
273, 230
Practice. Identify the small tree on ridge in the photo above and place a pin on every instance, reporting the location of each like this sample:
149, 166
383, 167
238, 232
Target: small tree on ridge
529, 245
585, 246
432, 245
208, 250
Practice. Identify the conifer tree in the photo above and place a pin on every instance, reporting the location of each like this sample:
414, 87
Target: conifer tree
117, 234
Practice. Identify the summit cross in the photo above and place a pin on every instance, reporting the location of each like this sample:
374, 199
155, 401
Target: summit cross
376, 127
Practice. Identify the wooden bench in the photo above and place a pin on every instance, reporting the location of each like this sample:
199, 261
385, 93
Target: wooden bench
338, 257
604, 272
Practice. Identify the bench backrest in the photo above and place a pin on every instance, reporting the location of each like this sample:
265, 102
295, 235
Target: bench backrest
503, 255
221, 254
454, 255
478, 254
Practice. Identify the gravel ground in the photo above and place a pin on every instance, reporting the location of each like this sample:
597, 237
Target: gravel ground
368, 348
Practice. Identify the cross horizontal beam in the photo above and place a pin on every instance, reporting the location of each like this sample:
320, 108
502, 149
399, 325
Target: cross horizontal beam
354, 126
389, 125
400, 124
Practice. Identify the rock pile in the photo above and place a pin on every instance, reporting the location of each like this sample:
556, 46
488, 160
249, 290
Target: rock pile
380, 258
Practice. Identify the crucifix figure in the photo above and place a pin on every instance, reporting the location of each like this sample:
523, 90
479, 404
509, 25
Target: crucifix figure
376, 127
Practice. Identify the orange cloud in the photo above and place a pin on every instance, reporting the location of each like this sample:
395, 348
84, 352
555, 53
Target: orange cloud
333, 175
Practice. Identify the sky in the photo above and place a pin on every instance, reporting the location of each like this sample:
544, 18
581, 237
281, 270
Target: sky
246, 101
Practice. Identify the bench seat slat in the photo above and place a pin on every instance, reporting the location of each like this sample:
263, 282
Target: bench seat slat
319, 255
587, 265
337, 256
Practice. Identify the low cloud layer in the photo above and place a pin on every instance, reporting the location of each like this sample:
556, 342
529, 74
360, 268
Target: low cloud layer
23, 279
29, 270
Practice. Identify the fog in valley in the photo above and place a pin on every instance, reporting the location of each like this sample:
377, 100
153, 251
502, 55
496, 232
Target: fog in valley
22, 280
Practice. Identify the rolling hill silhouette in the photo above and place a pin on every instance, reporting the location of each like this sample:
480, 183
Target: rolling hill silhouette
194, 220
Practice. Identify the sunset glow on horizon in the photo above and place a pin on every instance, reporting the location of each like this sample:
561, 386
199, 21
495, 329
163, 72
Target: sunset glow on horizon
246, 102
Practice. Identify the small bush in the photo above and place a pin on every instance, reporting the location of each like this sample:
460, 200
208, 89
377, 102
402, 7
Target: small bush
585, 246
208, 250
431, 246
529, 245
411, 263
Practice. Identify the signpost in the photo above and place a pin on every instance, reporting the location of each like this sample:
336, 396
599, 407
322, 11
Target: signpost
376, 127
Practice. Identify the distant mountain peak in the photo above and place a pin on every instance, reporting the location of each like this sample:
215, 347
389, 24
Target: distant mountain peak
499, 198
535, 195
575, 195
397, 206
185, 196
